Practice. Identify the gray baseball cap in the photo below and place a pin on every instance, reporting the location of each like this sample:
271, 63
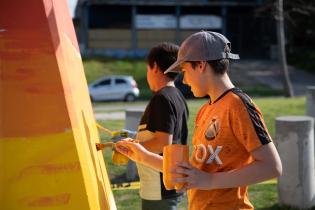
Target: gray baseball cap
203, 46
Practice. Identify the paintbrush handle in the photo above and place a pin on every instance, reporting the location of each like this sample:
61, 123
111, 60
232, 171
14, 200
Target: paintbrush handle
100, 146
104, 129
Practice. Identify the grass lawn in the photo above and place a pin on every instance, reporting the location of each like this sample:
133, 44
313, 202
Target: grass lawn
263, 196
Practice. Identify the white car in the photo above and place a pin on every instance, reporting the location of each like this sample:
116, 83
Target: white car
122, 88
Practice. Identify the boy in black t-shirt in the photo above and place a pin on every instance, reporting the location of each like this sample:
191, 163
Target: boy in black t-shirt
164, 122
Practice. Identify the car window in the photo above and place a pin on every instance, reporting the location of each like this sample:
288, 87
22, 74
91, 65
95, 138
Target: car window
103, 83
120, 81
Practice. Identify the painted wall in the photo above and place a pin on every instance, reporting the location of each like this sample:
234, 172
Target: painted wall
48, 158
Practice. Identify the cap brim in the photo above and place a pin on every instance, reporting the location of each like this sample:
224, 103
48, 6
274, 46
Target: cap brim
174, 67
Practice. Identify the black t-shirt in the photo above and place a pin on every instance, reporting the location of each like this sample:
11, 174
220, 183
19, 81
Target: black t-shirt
166, 112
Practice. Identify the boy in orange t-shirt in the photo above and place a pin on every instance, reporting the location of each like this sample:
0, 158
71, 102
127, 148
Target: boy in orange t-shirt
232, 147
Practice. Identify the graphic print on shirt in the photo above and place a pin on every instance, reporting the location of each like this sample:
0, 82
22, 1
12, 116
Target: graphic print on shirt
202, 150
201, 154
213, 128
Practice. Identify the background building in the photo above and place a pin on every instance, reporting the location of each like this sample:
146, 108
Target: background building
128, 28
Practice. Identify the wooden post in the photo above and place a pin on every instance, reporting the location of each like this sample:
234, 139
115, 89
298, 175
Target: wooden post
310, 101
295, 143
133, 117
310, 106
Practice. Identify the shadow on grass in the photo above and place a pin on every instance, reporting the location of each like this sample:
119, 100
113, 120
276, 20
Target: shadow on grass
122, 181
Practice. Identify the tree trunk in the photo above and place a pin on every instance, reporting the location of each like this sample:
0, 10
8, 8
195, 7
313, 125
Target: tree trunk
282, 54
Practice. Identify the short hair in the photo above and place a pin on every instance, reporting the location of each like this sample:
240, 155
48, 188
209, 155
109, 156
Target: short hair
219, 66
164, 55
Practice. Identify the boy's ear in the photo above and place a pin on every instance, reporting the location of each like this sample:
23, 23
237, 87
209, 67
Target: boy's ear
202, 66
155, 67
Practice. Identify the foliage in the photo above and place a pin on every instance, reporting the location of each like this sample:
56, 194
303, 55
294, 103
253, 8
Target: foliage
303, 59
299, 17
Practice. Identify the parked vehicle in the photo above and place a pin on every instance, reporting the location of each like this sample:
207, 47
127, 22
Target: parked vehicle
123, 88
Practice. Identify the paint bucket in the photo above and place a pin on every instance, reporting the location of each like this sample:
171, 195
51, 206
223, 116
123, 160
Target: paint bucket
172, 154
118, 158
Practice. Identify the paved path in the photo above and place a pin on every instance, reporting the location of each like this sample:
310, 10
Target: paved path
268, 73
110, 112
110, 115
125, 106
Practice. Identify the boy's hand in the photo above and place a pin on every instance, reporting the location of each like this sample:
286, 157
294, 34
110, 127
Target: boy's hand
193, 177
132, 149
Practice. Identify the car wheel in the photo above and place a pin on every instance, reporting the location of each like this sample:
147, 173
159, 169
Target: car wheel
130, 97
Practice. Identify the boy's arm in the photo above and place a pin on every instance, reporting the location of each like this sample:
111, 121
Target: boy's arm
157, 143
267, 165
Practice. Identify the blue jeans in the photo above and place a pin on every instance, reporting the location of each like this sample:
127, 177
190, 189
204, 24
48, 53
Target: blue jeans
165, 204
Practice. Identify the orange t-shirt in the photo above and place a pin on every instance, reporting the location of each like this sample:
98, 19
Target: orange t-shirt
226, 131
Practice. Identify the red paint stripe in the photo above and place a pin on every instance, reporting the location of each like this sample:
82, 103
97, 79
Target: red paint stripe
44, 201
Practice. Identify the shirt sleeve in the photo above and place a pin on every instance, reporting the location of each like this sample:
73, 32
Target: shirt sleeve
248, 125
162, 116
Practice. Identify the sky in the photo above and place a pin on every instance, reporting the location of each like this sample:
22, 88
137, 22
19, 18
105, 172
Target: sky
72, 4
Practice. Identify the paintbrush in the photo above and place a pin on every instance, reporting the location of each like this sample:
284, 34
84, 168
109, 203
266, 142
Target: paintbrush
113, 133
101, 146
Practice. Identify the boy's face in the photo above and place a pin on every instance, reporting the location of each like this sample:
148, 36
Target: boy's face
192, 77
